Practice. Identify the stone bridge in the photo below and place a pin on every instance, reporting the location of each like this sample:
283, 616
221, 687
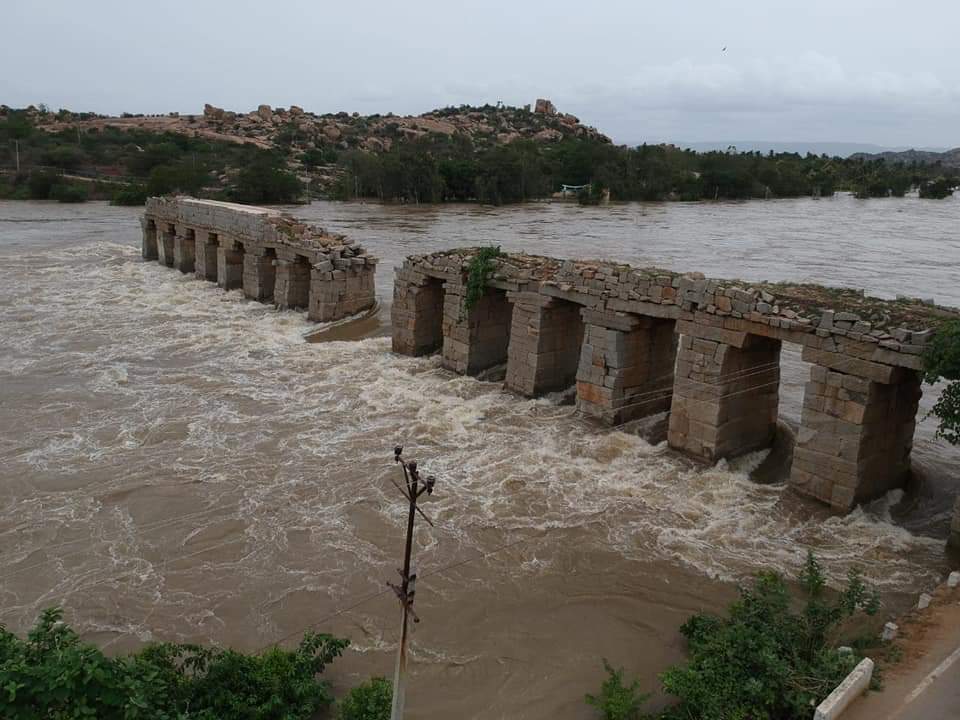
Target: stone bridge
642, 341
269, 255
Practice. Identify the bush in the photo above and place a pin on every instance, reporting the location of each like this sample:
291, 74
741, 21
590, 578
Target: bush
266, 180
370, 701
617, 701
40, 184
478, 272
52, 674
936, 189
764, 661
941, 360
130, 195
68, 192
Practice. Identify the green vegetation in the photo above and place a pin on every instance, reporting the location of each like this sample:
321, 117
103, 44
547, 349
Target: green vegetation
478, 272
441, 168
159, 163
941, 361
52, 674
130, 195
764, 661
436, 167
616, 700
265, 180
68, 192
938, 188
369, 701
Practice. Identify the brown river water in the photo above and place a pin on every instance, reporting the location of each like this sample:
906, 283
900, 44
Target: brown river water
179, 464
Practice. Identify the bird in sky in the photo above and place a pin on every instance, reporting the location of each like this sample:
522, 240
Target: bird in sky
724, 49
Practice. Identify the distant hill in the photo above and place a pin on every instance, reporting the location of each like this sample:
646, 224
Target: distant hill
949, 158
833, 149
268, 127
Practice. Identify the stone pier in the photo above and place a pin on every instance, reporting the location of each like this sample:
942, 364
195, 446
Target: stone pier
148, 248
291, 288
544, 343
205, 255
626, 366
475, 339
638, 342
726, 394
165, 243
230, 264
184, 249
259, 273
267, 254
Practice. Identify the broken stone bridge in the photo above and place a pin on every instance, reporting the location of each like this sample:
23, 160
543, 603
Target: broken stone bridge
637, 342
269, 255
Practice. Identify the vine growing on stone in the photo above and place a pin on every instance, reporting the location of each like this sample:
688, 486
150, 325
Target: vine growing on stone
478, 272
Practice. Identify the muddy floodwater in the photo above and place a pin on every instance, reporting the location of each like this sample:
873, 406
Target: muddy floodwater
177, 463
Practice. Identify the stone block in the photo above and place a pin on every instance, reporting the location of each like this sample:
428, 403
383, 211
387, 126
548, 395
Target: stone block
852, 687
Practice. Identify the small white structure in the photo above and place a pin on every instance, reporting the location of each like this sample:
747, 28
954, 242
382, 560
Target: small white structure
846, 692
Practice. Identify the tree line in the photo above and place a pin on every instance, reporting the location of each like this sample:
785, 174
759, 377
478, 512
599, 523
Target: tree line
439, 168
131, 164
128, 165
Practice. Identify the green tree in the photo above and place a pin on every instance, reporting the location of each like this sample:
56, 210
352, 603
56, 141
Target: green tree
53, 675
941, 361
764, 660
266, 180
40, 184
618, 701
370, 701
65, 157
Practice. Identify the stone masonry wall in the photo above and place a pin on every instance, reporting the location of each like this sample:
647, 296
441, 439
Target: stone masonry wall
544, 349
626, 366
855, 437
477, 339
725, 398
271, 256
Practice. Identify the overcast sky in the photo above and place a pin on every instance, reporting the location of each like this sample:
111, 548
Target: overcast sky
876, 71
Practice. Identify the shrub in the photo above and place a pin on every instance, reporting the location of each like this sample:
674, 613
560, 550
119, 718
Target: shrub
370, 701
266, 180
40, 184
941, 360
130, 195
617, 701
68, 192
937, 189
52, 674
481, 266
764, 661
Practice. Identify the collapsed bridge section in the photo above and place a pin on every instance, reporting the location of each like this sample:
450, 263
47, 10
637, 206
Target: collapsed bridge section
269, 255
637, 342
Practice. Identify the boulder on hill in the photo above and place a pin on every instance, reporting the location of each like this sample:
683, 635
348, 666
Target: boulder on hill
212, 112
545, 107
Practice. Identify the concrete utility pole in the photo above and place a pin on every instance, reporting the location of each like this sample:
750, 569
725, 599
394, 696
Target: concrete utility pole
407, 588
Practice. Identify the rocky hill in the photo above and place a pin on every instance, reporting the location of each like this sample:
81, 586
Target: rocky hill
266, 126
950, 158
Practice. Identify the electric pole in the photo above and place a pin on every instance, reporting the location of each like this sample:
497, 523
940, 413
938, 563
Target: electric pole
407, 588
